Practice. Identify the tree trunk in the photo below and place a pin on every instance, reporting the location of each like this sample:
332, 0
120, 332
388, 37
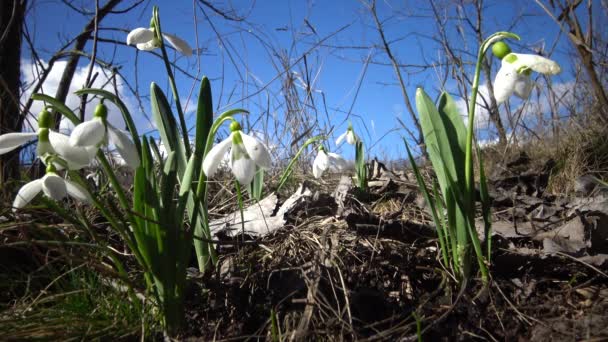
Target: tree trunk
11, 23
81, 41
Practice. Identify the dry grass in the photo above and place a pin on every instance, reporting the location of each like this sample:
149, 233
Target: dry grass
577, 151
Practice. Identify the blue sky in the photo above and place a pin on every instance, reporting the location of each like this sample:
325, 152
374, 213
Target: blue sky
337, 65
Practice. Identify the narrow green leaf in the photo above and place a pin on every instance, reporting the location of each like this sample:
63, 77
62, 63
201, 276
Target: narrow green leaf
435, 138
485, 204
167, 126
438, 223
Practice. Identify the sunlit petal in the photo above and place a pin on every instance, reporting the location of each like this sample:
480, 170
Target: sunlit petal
351, 138
27, 193
504, 83
215, 156
88, 133
341, 138
148, 46
320, 164
77, 157
140, 35
54, 187
537, 63
257, 151
11, 141
179, 44
126, 148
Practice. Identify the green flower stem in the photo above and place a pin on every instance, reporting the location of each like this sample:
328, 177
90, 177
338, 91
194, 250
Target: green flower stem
289, 167
180, 112
200, 194
469, 200
239, 197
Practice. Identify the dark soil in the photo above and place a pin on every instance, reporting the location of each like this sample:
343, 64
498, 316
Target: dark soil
370, 271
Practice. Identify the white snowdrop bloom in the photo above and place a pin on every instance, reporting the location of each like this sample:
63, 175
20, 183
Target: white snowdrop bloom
349, 135
514, 74
53, 187
144, 39
327, 161
98, 131
49, 142
245, 153
508, 82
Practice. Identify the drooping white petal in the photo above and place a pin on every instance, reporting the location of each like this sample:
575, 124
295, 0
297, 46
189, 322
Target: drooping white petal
320, 164
148, 46
215, 156
27, 193
316, 170
77, 192
537, 63
242, 168
126, 148
140, 35
88, 133
351, 138
11, 141
54, 186
341, 138
504, 83
179, 44
77, 157
523, 86
257, 151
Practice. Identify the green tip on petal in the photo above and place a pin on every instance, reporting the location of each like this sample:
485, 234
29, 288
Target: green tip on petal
501, 49
236, 136
45, 119
510, 58
50, 168
235, 126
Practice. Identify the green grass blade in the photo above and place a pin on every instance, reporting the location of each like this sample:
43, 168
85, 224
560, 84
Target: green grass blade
167, 126
427, 198
485, 205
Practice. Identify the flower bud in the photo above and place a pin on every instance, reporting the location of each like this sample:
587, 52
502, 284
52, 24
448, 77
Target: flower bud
501, 49
235, 126
45, 119
101, 111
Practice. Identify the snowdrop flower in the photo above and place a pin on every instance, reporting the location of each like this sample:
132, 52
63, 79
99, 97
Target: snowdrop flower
327, 161
349, 135
98, 131
145, 39
245, 153
515, 70
49, 143
53, 187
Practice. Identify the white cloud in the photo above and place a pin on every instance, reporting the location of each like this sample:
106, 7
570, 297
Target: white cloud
30, 76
